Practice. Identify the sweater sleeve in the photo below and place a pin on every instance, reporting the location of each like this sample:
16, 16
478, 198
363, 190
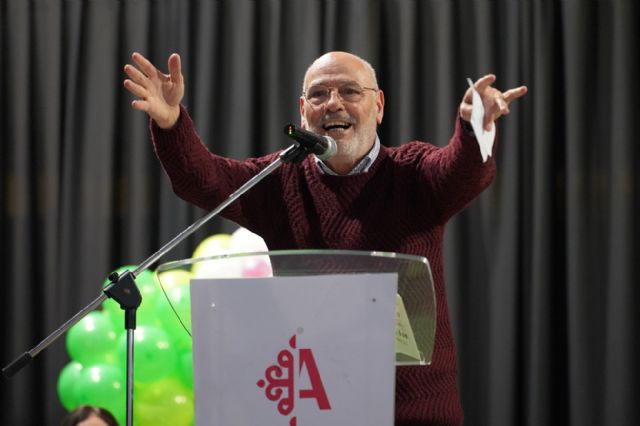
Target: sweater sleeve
196, 174
455, 174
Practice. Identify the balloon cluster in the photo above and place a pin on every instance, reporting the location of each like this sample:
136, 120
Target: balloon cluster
163, 368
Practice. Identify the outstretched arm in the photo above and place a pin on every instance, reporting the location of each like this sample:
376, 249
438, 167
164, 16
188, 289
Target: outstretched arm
159, 94
455, 174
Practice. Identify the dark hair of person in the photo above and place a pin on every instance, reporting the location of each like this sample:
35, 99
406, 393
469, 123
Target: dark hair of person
83, 412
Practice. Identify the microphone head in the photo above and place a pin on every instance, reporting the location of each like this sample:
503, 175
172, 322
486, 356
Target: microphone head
330, 151
324, 147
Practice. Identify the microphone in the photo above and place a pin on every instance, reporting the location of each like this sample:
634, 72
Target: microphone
324, 147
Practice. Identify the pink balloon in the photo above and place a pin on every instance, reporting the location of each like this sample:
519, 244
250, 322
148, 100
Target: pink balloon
256, 267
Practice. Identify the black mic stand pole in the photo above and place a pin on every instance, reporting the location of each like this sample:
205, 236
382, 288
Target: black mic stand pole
124, 290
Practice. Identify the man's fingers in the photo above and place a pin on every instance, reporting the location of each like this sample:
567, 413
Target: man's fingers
465, 111
143, 63
484, 82
136, 75
175, 68
496, 103
164, 78
501, 103
468, 97
135, 89
140, 105
515, 93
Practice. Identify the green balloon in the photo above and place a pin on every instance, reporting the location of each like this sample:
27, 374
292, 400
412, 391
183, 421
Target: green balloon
150, 290
181, 299
174, 314
92, 340
185, 360
164, 402
67, 380
104, 386
116, 315
163, 309
154, 354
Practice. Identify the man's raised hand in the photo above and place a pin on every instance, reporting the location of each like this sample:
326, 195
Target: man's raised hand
496, 103
159, 94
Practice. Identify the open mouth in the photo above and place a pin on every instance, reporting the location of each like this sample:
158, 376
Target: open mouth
336, 127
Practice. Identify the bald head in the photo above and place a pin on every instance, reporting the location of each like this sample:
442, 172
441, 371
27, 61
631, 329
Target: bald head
338, 58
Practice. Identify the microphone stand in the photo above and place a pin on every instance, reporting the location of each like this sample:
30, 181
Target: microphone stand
122, 288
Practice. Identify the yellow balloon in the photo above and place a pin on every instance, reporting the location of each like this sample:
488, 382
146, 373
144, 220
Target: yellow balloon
174, 278
213, 246
163, 402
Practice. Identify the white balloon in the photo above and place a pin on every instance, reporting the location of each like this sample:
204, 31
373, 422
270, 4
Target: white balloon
217, 268
245, 241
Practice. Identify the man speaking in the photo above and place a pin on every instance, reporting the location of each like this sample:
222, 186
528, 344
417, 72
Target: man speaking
364, 197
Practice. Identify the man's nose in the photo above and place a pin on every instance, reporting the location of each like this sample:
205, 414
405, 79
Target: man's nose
335, 101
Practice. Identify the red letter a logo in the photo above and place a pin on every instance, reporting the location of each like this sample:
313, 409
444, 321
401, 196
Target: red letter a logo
317, 388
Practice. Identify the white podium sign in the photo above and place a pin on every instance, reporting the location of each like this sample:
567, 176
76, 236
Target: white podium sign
304, 351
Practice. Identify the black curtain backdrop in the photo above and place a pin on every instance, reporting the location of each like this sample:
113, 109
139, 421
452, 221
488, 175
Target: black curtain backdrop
540, 268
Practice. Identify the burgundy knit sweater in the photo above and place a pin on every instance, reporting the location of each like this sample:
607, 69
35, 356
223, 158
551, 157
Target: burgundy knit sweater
400, 205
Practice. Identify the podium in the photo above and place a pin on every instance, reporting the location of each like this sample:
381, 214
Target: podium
339, 310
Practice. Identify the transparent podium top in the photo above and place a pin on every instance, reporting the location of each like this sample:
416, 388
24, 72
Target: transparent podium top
415, 303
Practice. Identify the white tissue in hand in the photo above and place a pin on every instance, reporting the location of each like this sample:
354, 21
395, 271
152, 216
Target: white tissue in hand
485, 138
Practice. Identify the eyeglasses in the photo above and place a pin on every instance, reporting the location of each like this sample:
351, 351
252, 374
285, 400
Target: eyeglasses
348, 92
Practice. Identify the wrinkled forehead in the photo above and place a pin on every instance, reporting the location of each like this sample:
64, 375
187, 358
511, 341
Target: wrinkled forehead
336, 71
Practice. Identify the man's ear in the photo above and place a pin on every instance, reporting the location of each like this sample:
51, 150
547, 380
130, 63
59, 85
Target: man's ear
303, 120
380, 106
